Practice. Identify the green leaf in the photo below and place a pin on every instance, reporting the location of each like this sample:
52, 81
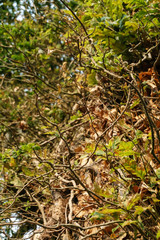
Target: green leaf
128, 222
133, 201
100, 153
124, 153
135, 103
139, 134
139, 210
91, 78
131, 25
113, 143
158, 172
125, 149
110, 211
27, 171
125, 145
36, 147
97, 216
76, 116
158, 234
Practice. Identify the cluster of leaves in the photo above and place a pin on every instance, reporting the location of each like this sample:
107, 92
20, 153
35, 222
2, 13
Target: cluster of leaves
79, 109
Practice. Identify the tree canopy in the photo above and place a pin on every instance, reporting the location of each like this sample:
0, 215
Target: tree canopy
80, 119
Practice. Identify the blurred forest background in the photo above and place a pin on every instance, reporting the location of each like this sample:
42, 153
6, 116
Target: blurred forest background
80, 119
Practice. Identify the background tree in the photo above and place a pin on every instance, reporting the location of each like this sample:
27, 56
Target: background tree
79, 108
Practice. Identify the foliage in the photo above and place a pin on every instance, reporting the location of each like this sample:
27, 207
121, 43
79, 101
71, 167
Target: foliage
79, 110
